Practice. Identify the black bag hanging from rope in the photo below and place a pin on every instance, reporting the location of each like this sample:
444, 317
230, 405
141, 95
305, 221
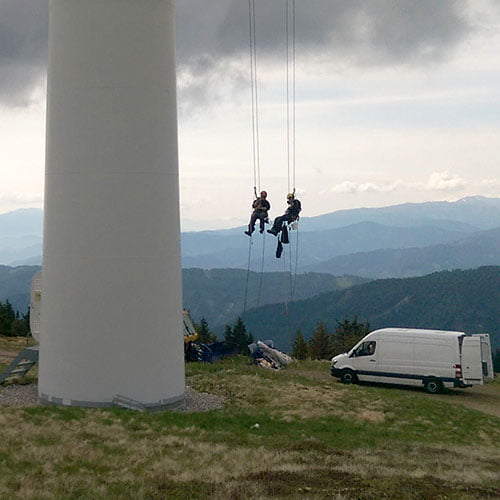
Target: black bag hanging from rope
279, 249
284, 234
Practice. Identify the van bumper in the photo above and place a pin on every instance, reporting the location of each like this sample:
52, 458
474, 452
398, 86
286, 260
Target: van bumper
460, 384
335, 372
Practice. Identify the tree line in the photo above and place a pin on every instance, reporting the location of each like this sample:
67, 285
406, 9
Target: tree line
13, 324
322, 344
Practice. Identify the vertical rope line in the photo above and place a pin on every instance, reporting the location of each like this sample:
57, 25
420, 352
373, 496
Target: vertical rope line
293, 89
261, 267
294, 281
248, 275
254, 156
287, 295
255, 138
253, 80
285, 283
254, 36
287, 31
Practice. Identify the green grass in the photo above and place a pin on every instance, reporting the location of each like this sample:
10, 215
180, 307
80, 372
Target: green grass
315, 438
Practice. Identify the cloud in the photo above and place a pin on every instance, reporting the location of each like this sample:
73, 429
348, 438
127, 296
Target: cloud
213, 42
438, 181
349, 187
19, 199
443, 181
331, 32
23, 49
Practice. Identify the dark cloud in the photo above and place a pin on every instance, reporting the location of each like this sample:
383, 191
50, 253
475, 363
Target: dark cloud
353, 32
212, 37
23, 48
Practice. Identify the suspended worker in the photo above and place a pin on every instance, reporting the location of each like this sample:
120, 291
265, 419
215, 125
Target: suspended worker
260, 208
291, 214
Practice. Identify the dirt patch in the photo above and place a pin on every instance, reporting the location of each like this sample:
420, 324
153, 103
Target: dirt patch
7, 355
485, 398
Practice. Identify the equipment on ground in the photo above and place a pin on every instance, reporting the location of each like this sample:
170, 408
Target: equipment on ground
21, 364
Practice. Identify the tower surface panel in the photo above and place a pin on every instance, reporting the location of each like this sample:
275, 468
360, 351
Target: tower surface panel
111, 316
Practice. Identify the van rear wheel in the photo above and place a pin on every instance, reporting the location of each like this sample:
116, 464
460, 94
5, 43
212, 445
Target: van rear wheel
347, 376
433, 385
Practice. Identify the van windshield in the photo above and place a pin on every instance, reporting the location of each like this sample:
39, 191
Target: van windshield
365, 349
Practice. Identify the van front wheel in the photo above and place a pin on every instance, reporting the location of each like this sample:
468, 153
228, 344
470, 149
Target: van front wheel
348, 376
433, 385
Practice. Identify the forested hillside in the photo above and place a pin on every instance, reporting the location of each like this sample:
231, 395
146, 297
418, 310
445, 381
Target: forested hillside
218, 295
451, 300
15, 284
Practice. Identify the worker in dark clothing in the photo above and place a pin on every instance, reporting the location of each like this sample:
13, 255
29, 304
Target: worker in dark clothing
291, 214
260, 208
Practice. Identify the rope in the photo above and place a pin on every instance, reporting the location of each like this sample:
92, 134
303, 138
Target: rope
293, 92
294, 281
290, 28
261, 268
290, 18
255, 108
285, 283
287, 92
248, 275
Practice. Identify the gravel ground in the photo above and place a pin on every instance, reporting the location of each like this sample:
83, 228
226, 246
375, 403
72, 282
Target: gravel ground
27, 395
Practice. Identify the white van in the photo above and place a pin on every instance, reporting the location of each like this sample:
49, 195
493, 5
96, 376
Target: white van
432, 358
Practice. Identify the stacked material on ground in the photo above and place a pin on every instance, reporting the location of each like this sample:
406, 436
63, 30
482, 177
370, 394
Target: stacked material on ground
264, 354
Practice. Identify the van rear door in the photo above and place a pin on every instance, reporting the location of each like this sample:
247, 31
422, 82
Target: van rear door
472, 368
486, 355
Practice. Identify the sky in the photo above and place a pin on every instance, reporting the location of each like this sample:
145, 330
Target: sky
395, 101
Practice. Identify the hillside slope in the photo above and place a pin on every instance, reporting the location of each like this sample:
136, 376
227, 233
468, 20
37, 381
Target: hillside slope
218, 295
451, 300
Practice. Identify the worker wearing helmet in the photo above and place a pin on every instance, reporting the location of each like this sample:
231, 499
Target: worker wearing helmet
291, 214
260, 208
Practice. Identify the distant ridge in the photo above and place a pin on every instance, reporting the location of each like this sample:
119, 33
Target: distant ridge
479, 249
322, 238
472, 212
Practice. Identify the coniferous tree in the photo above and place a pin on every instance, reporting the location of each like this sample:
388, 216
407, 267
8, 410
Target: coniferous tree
7, 318
300, 348
319, 344
238, 336
496, 361
347, 334
205, 336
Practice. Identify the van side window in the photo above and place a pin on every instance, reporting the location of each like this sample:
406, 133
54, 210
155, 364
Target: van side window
366, 349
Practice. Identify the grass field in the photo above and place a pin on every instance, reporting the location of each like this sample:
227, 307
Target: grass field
296, 433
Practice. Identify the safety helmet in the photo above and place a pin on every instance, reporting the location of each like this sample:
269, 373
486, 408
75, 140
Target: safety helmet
289, 196
263, 193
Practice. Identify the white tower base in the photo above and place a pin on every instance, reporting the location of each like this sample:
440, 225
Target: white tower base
111, 316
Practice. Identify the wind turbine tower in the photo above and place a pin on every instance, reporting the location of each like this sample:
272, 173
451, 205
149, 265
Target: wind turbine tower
111, 315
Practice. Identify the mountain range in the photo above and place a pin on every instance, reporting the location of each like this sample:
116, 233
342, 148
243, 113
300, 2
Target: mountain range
404, 240
479, 249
